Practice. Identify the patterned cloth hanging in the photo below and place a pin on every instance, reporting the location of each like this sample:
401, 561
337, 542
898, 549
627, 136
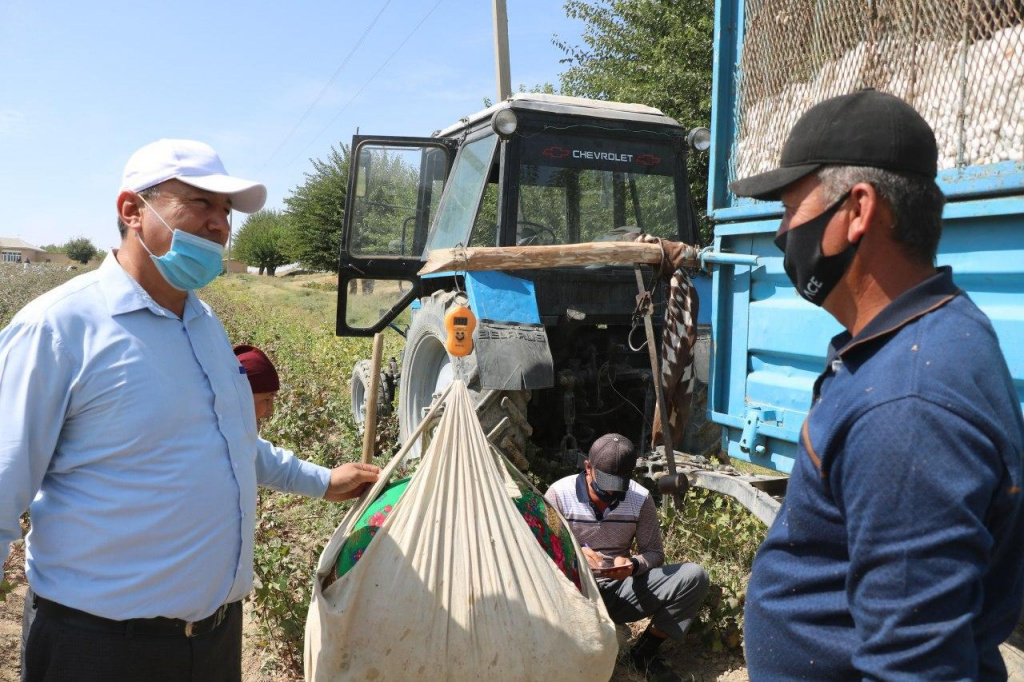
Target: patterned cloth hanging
677, 340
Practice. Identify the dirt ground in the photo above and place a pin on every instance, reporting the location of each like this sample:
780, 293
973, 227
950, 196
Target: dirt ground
10, 635
687, 658
10, 616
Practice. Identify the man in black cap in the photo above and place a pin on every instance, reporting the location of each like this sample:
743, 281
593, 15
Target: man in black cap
607, 512
897, 553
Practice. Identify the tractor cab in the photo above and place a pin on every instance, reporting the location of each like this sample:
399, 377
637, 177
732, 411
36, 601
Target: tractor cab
533, 170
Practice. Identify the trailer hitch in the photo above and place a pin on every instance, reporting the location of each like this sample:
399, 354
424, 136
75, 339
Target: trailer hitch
708, 257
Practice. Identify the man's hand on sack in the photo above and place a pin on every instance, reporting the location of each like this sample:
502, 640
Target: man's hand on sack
350, 480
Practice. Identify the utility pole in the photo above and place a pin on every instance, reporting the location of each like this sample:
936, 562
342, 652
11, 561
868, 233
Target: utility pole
501, 50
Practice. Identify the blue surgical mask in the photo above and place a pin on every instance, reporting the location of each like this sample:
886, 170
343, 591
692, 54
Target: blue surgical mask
191, 263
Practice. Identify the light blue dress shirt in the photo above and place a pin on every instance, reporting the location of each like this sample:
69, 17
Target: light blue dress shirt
132, 434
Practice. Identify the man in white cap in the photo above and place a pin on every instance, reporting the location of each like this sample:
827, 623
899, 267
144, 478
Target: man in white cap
129, 432
609, 514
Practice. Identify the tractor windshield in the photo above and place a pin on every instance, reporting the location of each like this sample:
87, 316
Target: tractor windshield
575, 189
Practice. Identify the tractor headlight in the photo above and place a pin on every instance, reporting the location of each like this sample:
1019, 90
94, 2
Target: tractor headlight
504, 123
699, 139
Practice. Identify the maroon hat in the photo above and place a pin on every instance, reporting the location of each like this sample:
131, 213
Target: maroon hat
612, 459
259, 368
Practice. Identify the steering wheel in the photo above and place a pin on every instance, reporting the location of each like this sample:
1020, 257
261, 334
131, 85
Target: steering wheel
532, 235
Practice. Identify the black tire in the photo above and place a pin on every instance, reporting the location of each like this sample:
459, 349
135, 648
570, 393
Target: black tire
427, 369
360, 390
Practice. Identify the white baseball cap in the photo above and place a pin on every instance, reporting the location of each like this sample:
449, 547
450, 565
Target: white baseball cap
193, 163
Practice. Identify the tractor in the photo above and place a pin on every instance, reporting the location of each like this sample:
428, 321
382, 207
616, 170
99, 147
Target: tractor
558, 355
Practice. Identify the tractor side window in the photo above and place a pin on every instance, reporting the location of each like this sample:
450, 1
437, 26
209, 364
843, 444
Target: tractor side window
458, 210
432, 177
396, 190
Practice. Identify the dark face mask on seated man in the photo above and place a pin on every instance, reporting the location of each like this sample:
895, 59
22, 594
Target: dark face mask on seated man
612, 499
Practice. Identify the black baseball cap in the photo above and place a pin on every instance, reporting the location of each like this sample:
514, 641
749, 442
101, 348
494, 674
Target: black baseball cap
865, 128
612, 460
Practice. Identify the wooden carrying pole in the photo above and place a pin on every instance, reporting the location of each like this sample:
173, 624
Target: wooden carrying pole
539, 257
372, 391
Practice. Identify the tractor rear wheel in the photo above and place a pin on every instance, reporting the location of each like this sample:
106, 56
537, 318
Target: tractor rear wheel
360, 390
427, 369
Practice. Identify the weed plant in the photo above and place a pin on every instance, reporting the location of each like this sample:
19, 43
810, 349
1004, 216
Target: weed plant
21, 283
716, 532
322, 286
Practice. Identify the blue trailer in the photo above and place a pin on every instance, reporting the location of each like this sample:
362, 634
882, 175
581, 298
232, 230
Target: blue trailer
772, 60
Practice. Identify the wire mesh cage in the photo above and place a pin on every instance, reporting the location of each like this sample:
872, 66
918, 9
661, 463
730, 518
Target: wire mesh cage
960, 63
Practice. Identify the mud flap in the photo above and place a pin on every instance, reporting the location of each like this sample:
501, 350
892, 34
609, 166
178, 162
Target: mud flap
513, 356
512, 352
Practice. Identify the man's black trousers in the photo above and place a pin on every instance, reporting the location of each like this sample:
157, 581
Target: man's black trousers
64, 647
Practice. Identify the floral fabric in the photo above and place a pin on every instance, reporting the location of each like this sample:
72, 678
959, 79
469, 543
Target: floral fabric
550, 533
368, 525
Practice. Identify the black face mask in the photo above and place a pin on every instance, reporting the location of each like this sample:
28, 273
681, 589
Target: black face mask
609, 498
814, 275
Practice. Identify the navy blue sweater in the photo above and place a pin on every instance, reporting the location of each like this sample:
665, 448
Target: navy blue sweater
898, 551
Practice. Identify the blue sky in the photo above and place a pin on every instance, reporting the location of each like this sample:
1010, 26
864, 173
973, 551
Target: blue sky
85, 84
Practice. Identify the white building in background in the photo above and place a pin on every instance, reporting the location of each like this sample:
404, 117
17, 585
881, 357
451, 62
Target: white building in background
15, 250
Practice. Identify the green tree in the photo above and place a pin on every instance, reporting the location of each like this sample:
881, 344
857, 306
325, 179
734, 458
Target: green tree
80, 249
316, 210
654, 52
262, 241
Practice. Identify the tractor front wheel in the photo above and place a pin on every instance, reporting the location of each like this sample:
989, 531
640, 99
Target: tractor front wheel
427, 369
360, 390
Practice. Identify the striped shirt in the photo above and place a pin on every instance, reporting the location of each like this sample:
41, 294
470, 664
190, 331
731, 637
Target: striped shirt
613, 532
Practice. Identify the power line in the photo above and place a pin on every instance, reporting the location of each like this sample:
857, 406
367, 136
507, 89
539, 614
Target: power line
386, 62
327, 85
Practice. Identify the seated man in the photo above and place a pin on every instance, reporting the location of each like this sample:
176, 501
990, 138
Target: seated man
607, 512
